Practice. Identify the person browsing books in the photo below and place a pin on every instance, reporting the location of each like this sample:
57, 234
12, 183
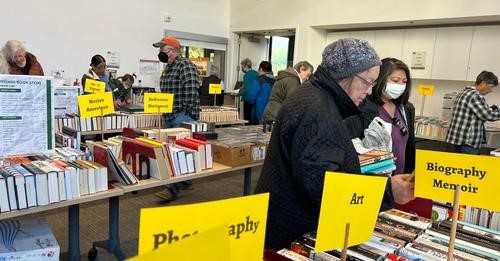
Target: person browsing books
122, 87
97, 71
310, 138
389, 102
20, 61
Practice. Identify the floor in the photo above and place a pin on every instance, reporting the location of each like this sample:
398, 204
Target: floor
94, 215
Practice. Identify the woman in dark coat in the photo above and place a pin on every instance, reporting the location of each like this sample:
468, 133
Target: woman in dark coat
310, 138
207, 99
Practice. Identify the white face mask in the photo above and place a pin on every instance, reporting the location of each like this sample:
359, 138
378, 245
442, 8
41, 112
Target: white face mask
394, 90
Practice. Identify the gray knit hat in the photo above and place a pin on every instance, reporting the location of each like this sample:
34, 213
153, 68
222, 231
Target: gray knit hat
346, 57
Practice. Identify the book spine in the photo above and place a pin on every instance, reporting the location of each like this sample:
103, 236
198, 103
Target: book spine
429, 243
399, 225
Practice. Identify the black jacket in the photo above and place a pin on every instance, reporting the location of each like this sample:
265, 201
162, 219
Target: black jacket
207, 99
309, 138
369, 110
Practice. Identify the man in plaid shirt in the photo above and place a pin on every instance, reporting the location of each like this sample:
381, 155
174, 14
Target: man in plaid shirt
470, 112
179, 77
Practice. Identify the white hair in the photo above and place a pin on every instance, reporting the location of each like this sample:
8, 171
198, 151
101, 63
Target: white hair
4, 66
10, 48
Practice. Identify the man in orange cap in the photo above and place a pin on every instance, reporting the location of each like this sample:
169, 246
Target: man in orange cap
180, 77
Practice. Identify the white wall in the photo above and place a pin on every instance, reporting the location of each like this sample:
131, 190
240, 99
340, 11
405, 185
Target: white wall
66, 34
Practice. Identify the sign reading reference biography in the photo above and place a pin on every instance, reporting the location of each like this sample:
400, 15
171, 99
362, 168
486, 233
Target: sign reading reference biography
357, 205
94, 86
426, 90
158, 102
245, 227
438, 174
93, 105
26, 114
215, 88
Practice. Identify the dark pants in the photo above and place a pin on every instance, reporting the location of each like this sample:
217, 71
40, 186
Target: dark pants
467, 149
247, 111
174, 188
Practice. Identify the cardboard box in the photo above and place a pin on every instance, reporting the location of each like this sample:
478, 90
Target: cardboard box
232, 156
27, 240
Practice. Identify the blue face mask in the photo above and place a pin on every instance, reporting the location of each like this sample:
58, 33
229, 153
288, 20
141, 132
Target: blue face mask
394, 90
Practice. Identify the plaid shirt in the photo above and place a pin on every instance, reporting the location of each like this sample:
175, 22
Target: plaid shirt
470, 111
181, 79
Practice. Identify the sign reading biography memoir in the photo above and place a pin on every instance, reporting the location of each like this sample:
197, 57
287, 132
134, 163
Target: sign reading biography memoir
211, 245
426, 90
94, 86
215, 88
245, 227
65, 100
438, 174
98, 104
158, 102
26, 114
357, 205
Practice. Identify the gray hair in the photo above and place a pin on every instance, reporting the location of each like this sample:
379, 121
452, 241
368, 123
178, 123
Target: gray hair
214, 70
303, 64
10, 48
246, 62
4, 66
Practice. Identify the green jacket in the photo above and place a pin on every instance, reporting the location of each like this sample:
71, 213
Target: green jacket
119, 91
286, 83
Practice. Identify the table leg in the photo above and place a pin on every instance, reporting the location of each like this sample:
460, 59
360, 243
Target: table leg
247, 183
74, 232
112, 244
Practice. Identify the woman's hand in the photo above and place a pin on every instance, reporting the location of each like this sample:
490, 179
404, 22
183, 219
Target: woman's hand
402, 189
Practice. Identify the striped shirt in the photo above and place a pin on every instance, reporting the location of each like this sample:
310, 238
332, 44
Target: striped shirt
470, 111
181, 79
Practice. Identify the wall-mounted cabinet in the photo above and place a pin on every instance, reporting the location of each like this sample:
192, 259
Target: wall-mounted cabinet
451, 53
389, 43
418, 51
484, 53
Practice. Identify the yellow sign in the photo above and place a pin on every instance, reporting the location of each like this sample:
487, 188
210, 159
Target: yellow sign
426, 90
94, 86
215, 88
211, 245
92, 105
437, 174
245, 226
158, 102
357, 204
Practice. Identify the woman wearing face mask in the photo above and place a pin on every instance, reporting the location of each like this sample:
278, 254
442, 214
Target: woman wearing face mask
122, 88
97, 71
390, 101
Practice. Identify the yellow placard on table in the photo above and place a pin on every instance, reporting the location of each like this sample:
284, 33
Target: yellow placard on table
211, 245
245, 226
426, 90
437, 174
98, 104
357, 204
215, 88
94, 86
158, 102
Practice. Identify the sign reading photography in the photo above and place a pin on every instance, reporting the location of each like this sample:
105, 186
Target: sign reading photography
158, 102
357, 205
438, 174
245, 226
93, 105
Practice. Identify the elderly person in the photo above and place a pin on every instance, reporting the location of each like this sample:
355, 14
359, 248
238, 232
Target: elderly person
207, 99
310, 138
4, 66
21, 62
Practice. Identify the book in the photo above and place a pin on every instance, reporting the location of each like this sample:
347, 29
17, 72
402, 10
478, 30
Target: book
373, 156
407, 218
376, 165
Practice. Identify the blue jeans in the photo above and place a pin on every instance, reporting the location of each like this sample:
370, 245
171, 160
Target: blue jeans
174, 188
467, 149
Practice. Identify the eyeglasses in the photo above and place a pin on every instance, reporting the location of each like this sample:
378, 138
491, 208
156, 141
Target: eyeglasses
400, 125
366, 83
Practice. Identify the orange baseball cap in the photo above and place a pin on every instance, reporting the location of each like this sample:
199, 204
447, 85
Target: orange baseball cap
168, 40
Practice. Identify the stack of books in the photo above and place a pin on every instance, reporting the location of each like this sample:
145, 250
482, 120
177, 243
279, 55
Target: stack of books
403, 236
431, 127
377, 162
217, 114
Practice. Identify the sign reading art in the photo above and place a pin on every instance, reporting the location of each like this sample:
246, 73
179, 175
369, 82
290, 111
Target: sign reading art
357, 205
438, 174
245, 227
